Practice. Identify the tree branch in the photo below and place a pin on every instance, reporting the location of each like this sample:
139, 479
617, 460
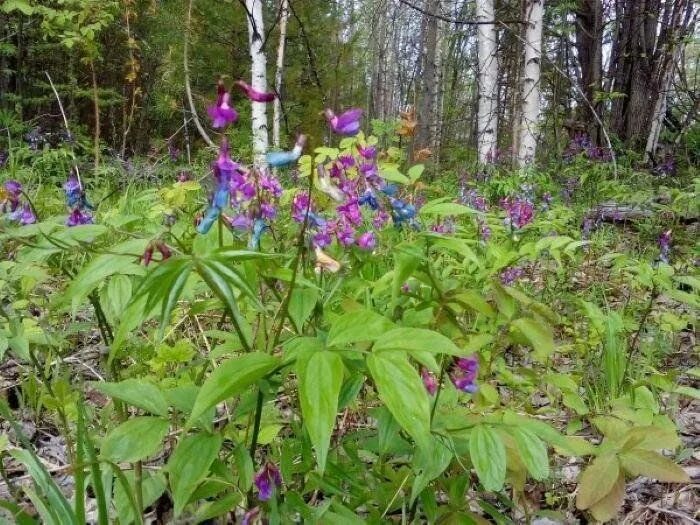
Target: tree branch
458, 20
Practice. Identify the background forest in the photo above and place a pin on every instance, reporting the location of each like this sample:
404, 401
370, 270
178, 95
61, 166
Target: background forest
349, 261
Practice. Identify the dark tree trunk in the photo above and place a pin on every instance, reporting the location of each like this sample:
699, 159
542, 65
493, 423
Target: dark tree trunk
589, 45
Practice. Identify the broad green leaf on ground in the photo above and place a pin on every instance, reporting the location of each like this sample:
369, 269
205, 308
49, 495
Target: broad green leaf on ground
538, 334
137, 392
320, 382
419, 339
488, 455
653, 465
400, 388
597, 480
533, 452
135, 439
360, 325
230, 379
189, 465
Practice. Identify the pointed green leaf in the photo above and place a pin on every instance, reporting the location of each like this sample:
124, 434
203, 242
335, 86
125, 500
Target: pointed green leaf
488, 455
360, 325
597, 480
135, 439
419, 339
539, 334
137, 392
533, 453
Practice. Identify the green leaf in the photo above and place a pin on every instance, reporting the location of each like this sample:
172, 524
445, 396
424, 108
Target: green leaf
533, 453
391, 173
538, 334
320, 382
400, 388
606, 508
189, 465
301, 304
137, 392
360, 325
407, 257
25, 8
445, 208
418, 339
231, 379
488, 455
153, 486
135, 439
653, 465
597, 480
414, 172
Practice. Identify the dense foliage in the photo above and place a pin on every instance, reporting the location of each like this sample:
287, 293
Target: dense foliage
343, 331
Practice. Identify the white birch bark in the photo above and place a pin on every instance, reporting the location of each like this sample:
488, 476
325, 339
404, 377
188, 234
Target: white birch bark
531, 82
256, 32
277, 108
487, 118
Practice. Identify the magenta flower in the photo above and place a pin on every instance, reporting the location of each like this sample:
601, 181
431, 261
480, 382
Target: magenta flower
268, 210
267, 480
429, 381
510, 275
520, 212
269, 183
465, 373
346, 235
367, 241
221, 113
10, 195
380, 219
346, 161
300, 203
253, 94
665, 246
367, 152
27, 216
348, 123
239, 222
78, 217
350, 211
322, 239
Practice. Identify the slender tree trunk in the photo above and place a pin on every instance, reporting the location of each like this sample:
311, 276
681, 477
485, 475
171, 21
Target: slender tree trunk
96, 105
256, 32
487, 120
426, 117
531, 82
277, 108
589, 47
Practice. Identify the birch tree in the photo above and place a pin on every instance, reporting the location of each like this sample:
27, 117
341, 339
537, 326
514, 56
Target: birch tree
530, 87
277, 107
487, 118
256, 32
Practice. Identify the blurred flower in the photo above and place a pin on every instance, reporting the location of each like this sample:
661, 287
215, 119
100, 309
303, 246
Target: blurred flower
267, 480
259, 227
380, 219
184, 176
346, 161
484, 230
350, 211
367, 152
347, 123
429, 381
345, 235
464, 374
322, 239
23, 215
367, 241
281, 159
208, 220
446, 227
520, 212
665, 246
147, 256
253, 94
510, 275
251, 517
666, 168
369, 199
300, 203
239, 222
9, 196
174, 152
389, 189
78, 217
222, 114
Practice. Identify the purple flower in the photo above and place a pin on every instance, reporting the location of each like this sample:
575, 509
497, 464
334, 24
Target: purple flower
370, 171
347, 123
13, 187
666, 168
222, 114
27, 215
268, 210
239, 222
300, 203
174, 152
322, 239
367, 241
380, 219
484, 230
405, 287
350, 211
9, 197
665, 246
369, 199
73, 190
367, 152
253, 94
447, 227
465, 373
429, 381
510, 275
520, 212
266, 480
78, 217
346, 161
345, 235
226, 166
270, 184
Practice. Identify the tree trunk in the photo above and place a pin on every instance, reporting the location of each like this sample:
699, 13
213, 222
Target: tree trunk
589, 47
277, 108
487, 120
256, 32
531, 82
426, 116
